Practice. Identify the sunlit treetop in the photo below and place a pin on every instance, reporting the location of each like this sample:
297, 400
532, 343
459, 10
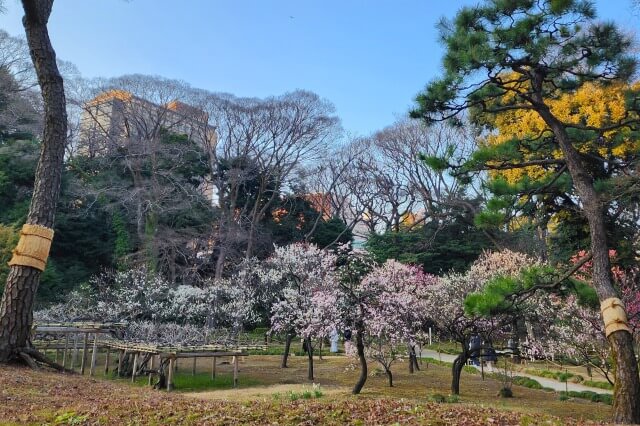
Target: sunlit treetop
514, 54
522, 135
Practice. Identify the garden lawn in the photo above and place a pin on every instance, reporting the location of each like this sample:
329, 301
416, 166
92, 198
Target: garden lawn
37, 397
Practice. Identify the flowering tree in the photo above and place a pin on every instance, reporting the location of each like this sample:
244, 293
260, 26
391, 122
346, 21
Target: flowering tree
567, 326
263, 282
139, 297
394, 311
445, 303
306, 307
310, 313
353, 297
573, 327
627, 280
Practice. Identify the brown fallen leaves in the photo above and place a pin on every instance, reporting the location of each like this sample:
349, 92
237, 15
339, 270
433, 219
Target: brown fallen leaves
37, 397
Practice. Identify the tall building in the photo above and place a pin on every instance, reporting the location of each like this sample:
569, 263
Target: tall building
117, 119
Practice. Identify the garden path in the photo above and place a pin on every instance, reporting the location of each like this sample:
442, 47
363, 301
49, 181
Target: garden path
549, 383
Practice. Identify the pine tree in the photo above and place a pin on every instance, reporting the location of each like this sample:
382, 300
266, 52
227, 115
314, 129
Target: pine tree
524, 55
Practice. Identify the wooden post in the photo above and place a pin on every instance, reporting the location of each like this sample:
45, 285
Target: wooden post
213, 368
94, 355
74, 357
57, 354
120, 362
193, 370
235, 371
84, 352
151, 368
66, 346
135, 367
106, 361
172, 367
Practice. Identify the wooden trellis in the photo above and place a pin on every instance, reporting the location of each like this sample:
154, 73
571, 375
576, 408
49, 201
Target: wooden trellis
152, 360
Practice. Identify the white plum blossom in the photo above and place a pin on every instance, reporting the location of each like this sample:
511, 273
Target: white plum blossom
307, 305
394, 311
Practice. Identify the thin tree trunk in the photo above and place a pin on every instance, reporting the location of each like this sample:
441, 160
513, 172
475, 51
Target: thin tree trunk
16, 306
310, 358
172, 265
626, 404
287, 349
363, 361
389, 376
410, 350
456, 368
413, 359
416, 365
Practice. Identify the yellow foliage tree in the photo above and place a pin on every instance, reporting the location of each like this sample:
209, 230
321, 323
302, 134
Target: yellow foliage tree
592, 105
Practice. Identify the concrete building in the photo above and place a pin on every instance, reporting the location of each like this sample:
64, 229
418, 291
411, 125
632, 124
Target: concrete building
117, 119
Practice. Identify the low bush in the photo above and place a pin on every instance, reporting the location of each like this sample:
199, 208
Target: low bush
526, 382
590, 395
437, 397
452, 399
577, 378
293, 396
505, 393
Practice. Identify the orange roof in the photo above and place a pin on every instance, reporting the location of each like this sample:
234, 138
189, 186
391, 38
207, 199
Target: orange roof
108, 95
186, 109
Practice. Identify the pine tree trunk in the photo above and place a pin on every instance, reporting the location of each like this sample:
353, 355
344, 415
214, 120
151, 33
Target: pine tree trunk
363, 361
16, 306
626, 405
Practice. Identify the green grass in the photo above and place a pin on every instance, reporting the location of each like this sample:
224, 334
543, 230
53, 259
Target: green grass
600, 385
271, 350
451, 348
440, 398
467, 368
201, 381
434, 361
279, 350
561, 376
186, 382
470, 369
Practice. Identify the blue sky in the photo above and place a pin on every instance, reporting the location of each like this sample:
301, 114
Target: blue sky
368, 57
